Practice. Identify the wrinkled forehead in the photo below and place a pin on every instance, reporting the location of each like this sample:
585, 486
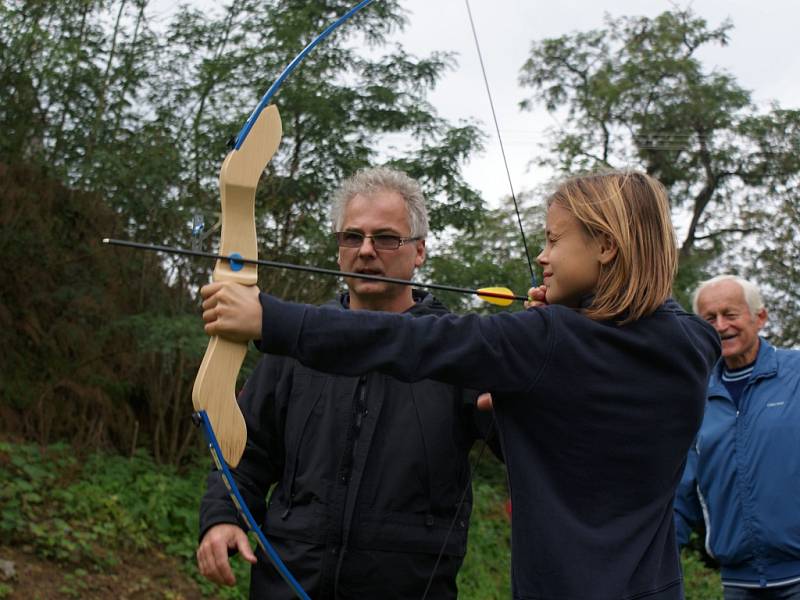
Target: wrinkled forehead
722, 295
381, 208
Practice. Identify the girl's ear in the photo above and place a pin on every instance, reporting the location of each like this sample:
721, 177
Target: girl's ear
607, 249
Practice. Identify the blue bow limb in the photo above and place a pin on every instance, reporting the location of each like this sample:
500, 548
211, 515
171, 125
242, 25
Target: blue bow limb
241, 505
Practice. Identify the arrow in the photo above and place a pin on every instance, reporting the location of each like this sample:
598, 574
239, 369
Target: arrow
500, 296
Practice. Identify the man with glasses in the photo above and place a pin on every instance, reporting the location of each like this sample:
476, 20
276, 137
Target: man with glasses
372, 481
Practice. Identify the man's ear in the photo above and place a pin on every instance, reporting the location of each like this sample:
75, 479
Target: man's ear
761, 317
607, 248
420, 257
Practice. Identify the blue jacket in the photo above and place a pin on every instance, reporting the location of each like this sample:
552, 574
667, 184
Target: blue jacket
743, 474
595, 420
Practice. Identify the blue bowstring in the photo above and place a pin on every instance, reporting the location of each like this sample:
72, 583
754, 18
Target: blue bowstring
291, 67
227, 476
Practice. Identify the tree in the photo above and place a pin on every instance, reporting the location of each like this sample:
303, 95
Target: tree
635, 94
335, 110
99, 97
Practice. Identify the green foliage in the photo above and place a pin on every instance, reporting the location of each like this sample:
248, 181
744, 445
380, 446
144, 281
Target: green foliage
636, 94
87, 512
75, 364
75, 584
115, 125
486, 572
90, 514
161, 99
700, 582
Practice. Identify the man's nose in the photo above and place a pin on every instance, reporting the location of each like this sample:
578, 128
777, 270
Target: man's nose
720, 323
367, 247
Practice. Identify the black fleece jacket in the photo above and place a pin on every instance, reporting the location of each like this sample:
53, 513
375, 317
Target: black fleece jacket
595, 421
368, 472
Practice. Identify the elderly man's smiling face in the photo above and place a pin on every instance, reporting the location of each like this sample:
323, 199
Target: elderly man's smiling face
723, 305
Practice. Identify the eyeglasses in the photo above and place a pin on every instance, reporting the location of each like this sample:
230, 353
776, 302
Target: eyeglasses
382, 241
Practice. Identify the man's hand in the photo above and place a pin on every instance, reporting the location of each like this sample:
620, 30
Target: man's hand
485, 401
537, 297
232, 310
212, 555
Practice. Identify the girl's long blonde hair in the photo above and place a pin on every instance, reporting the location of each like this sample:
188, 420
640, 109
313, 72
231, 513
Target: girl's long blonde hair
632, 210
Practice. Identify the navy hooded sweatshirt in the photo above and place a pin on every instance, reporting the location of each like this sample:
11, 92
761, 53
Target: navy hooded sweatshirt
595, 421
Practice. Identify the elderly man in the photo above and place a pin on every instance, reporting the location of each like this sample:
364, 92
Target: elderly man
743, 472
371, 474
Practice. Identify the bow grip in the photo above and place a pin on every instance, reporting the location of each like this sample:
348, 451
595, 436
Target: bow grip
214, 388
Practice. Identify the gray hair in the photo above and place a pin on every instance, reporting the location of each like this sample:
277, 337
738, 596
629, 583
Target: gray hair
752, 294
375, 179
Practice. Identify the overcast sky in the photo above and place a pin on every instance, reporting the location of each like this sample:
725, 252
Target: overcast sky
762, 55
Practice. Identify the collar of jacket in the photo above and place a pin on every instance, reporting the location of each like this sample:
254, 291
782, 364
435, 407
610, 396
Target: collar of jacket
766, 366
586, 300
425, 303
